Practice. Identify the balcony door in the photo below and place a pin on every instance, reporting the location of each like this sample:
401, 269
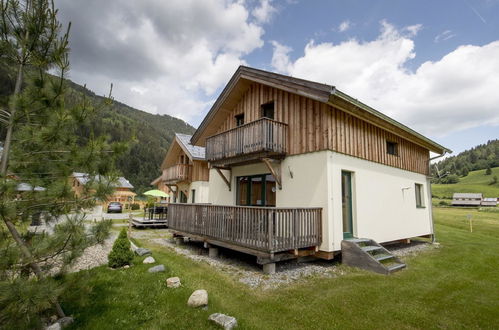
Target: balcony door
346, 204
256, 190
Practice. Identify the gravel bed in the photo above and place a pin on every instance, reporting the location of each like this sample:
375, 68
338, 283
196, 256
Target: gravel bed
411, 249
94, 256
245, 269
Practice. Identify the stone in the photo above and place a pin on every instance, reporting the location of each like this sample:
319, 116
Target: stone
173, 282
55, 326
149, 260
126, 266
198, 298
142, 252
157, 269
65, 321
225, 321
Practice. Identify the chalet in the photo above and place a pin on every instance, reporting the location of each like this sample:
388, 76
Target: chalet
299, 168
466, 199
185, 171
489, 201
123, 189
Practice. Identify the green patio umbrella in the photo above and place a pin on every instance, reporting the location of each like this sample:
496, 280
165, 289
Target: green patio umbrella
156, 193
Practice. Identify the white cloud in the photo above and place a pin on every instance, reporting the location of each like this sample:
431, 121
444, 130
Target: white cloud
457, 92
345, 25
263, 13
280, 58
162, 56
446, 35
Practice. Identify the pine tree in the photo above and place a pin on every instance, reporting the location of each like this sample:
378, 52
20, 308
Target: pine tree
121, 254
488, 171
41, 150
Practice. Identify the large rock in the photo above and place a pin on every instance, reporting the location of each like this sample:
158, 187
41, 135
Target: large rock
149, 260
198, 298
61, 323
173, 282
157, 269
142, 251
225, 321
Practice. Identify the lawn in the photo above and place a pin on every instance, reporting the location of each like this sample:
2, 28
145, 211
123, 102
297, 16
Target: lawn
474, 182
454, 286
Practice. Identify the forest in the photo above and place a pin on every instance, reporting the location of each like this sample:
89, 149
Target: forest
149, 135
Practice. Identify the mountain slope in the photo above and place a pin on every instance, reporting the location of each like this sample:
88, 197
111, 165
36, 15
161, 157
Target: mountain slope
152, 133
474, 182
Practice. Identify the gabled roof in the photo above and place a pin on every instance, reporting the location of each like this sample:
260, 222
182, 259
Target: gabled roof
121, 182
245, 76
183, 141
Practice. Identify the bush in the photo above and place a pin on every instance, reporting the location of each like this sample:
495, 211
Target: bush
121, 254
443, 203
135, 206
493, 181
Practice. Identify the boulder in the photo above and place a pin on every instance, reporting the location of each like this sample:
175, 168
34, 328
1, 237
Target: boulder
149, 260
173, 282
142, 251
157, 269
225, 321
55, 326
126, 266
61, 323
198, 298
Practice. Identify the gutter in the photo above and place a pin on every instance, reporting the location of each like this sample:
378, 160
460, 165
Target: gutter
432, 224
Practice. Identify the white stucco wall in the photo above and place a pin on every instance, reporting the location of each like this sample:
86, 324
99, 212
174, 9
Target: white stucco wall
219, 193
384, 201
202, 191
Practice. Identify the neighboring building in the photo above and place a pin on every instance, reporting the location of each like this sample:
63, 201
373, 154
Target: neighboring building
466, 199
161, 185
315, 166
185, 172
123, 189
489, 201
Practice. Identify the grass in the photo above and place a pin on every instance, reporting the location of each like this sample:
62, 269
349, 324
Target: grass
454, 286
474, 182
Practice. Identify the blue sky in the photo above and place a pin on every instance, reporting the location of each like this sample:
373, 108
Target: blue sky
433, 65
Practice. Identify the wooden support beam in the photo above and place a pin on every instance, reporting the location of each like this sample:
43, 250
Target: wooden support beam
227, 181
275, 172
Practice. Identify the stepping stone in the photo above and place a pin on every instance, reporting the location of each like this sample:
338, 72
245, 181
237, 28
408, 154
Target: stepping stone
149, 260
225, 321
198, 298
157, 269
173, 282
142, 252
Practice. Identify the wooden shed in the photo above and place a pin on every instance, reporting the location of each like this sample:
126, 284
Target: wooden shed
467, 199
489, 201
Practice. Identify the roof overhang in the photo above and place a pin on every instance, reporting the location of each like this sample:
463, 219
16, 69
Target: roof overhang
245, 76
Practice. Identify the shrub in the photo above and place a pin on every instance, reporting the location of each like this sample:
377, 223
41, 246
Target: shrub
121, 254
493, 181
444, 203
135, 206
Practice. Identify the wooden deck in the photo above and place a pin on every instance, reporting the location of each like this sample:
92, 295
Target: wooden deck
264, 136
259, 231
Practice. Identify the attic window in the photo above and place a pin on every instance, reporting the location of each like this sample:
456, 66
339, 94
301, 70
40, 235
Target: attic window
392, 148
239, 119
268, 110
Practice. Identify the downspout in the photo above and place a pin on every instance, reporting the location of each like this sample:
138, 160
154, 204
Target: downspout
433, 239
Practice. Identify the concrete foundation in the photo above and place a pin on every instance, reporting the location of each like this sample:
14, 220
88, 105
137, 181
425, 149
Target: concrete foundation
179, 240
213, 252
269, 268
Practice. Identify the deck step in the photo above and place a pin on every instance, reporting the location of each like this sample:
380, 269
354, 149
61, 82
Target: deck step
370, 248
383, 257
369, 255
396, 267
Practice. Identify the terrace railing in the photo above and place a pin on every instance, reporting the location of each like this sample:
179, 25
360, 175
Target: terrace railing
265, 229
259, 136
177, 173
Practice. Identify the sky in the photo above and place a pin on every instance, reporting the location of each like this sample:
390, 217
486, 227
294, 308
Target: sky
432, 65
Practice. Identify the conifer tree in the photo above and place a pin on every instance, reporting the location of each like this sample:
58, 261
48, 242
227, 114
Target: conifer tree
40, 152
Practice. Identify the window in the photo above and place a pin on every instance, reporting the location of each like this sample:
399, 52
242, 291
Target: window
392, 148
256, 190
419, 195
239, 119
268, 110
183, 197
193, 198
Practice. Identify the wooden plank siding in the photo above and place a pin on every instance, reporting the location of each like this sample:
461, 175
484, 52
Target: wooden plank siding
200, 171
314, 126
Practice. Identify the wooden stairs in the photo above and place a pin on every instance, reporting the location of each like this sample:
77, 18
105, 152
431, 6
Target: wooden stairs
367, 254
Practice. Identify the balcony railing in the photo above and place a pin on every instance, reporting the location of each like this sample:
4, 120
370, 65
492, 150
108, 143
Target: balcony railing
260, 136
263, 229
177, 173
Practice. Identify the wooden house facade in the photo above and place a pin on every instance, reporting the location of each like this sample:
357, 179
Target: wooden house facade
184, 172
310, 164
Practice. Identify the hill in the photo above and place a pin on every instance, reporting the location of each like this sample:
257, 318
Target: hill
474, 182
151, 133
480, 157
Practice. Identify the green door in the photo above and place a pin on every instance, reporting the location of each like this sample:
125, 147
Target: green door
346, 203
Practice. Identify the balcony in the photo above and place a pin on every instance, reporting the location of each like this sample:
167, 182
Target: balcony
260, 138
177, 173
